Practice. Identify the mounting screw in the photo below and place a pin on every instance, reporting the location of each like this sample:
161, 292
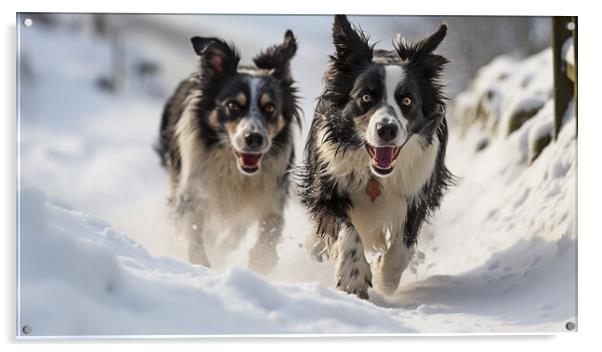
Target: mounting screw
570, 26
570, 326
28, 22
26, 329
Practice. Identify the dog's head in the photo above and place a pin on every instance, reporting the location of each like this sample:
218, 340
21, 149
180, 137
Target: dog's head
247, 108
389, 95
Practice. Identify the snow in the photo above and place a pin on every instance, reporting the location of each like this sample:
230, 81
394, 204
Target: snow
568, 53
80, 277
505, 87
513, 227
500, 255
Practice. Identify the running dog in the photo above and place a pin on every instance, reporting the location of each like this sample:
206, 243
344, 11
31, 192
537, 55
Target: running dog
374, 167
226, 140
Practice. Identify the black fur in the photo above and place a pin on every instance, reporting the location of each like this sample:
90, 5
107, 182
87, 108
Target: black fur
422, 207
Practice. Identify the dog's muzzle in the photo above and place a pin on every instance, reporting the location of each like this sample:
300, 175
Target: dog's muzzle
384, 141
382, 158
250, 143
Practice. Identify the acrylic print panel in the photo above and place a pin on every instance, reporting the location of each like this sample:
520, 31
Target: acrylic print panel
147, 206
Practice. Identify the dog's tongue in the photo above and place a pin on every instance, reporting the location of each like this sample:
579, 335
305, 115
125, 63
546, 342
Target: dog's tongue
250, 160
384, 156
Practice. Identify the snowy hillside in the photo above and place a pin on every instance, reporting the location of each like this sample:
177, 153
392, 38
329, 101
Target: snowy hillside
499, 256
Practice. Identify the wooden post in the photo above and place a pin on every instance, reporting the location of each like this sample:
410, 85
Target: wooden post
576, 72
564, 88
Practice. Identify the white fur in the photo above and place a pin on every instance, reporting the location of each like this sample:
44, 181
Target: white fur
414, 167
394, 74
382, 116
251, 122
389, 267
256, 72
254, 85
346, 265
214, 175
212, 181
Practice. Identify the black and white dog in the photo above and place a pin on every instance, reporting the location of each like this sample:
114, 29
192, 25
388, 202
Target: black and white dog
226, 141
374, 167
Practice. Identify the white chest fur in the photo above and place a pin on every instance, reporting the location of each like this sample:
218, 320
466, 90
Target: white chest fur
373, 217
212, 178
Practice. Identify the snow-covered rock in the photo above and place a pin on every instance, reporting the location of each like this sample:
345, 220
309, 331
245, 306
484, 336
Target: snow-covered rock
506, 93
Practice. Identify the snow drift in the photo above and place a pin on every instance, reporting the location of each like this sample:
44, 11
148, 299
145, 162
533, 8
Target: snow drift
79, 277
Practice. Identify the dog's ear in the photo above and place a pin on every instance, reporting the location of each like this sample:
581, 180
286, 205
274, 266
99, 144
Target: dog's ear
278, 57
351, 45
420, 53
217, 57
416, 50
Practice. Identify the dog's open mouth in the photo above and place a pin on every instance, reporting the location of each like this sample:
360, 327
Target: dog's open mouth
249, 163
383, 158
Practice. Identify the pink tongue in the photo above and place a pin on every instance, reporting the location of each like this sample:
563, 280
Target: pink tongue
250, 159
383, 156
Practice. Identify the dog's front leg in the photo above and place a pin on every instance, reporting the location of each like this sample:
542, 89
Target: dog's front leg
191, 225
389, 267
196, 252
263, 256
352, 271
193, 228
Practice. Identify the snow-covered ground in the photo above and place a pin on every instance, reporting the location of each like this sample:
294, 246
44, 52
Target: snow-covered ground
499, 256
81, 277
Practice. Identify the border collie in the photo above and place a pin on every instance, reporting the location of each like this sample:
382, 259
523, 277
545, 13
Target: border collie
226, 141
374, 161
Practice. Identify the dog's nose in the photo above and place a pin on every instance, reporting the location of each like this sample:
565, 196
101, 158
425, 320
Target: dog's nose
386, 131
254, 140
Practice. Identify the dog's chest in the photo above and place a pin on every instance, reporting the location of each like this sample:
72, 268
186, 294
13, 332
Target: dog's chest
232, 194
380, 203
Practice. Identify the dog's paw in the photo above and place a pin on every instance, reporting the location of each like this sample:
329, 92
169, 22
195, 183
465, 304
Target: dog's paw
386, 279
354, 276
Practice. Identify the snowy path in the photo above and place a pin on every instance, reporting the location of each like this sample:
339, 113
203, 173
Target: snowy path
499, 255
81, 277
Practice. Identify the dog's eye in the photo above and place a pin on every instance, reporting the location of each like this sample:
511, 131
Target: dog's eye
269, 108
233, 106
407, 101
367, 98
